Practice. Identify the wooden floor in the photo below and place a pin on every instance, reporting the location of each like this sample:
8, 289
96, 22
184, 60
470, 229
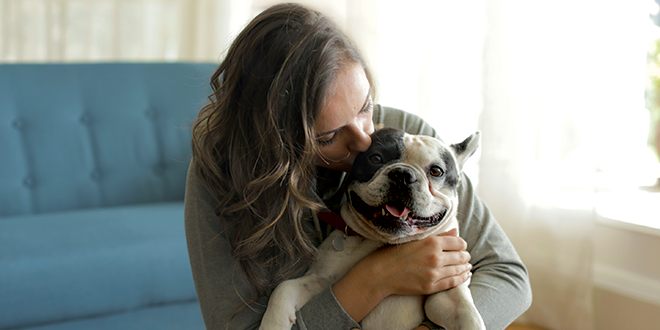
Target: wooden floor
524, 327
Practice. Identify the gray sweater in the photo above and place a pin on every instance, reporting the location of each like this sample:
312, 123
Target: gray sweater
500, 284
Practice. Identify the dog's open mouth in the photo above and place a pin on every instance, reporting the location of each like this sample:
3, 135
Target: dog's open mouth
394, 212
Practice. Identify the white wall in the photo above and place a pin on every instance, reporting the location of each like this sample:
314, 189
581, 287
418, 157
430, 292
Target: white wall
626, 276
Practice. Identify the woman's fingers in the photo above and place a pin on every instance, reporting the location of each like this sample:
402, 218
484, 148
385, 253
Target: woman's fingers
457, 270
453, 244
452, 258
452, 232
451, 282
427, 266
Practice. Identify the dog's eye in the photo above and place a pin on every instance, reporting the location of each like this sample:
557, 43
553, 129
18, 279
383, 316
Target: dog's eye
436, 171
376, 159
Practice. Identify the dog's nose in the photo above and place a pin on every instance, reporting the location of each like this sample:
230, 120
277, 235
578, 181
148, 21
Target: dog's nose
402, 175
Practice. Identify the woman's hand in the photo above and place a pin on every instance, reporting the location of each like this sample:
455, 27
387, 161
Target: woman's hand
424, 267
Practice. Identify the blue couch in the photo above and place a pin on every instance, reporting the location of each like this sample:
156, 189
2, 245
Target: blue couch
93, 161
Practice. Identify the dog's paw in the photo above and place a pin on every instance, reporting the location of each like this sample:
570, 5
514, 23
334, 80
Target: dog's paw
461, 319
474, 324
276, 321
459, 323
282, 305
454, 310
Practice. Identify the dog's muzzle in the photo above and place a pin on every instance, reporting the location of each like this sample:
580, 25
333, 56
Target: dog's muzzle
393, 215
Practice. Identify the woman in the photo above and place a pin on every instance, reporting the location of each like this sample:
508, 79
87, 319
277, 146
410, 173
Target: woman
290, 110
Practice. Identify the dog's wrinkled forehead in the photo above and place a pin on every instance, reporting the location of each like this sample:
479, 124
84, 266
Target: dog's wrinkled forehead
392, 146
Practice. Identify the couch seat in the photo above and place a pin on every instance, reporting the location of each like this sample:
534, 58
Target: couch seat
130, 259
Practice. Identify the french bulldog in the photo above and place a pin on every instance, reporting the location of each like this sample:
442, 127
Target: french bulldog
403, 188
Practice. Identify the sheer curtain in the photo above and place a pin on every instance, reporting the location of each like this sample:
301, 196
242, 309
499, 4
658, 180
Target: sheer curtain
562, 104
555, 87
118, 30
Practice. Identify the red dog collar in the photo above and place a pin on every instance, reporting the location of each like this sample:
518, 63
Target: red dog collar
335, 220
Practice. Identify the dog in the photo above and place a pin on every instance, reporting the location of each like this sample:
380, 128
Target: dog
403, 188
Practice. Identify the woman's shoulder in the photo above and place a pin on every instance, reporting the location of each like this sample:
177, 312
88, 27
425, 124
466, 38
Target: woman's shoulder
392, 117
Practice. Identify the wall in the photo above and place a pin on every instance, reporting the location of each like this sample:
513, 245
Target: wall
626, 276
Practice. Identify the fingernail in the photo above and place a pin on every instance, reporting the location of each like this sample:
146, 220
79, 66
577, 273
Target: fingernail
469, 274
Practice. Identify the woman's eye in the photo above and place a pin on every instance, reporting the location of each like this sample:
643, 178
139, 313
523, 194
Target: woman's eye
436, 171
369, 107
375, 159
324, 143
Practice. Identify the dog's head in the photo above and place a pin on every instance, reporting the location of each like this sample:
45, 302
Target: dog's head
403, 187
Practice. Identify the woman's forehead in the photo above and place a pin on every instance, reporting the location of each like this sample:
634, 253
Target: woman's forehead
348, 95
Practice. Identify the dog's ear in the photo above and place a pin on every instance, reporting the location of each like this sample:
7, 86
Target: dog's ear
465, 149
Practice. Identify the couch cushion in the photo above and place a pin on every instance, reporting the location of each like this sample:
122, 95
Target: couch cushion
96, 135
65, 265
181, 316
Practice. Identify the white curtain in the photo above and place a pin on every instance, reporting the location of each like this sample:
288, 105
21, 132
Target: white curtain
555, 87
562, 106
118, 30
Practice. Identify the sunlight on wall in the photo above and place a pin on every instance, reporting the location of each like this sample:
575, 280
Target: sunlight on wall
624, 120
627, 163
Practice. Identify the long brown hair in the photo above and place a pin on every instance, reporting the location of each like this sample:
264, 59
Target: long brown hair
254, 143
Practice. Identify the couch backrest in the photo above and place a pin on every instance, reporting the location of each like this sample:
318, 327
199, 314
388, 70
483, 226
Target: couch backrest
93, 135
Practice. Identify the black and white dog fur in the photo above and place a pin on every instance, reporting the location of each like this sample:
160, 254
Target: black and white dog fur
403, 188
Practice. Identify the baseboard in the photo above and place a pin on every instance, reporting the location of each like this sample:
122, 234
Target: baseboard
627, 283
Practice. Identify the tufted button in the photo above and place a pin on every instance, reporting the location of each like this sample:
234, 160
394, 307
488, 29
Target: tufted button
95, 175
86, 119
18, 123
150, 113
28, 182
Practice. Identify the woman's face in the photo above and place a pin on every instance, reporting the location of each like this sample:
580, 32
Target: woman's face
345, 123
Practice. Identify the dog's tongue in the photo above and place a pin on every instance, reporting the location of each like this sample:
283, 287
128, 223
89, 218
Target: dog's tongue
397, 212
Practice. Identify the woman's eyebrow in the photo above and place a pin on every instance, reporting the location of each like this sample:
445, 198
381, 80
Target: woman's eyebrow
366, 104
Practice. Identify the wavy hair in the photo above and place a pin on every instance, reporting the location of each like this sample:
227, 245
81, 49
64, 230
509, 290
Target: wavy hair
254, 143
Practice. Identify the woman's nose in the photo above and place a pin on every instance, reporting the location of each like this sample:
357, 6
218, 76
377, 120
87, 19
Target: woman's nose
362, 139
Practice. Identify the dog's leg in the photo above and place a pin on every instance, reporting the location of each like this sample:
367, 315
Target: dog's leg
331, 265
287, 298
454, 309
